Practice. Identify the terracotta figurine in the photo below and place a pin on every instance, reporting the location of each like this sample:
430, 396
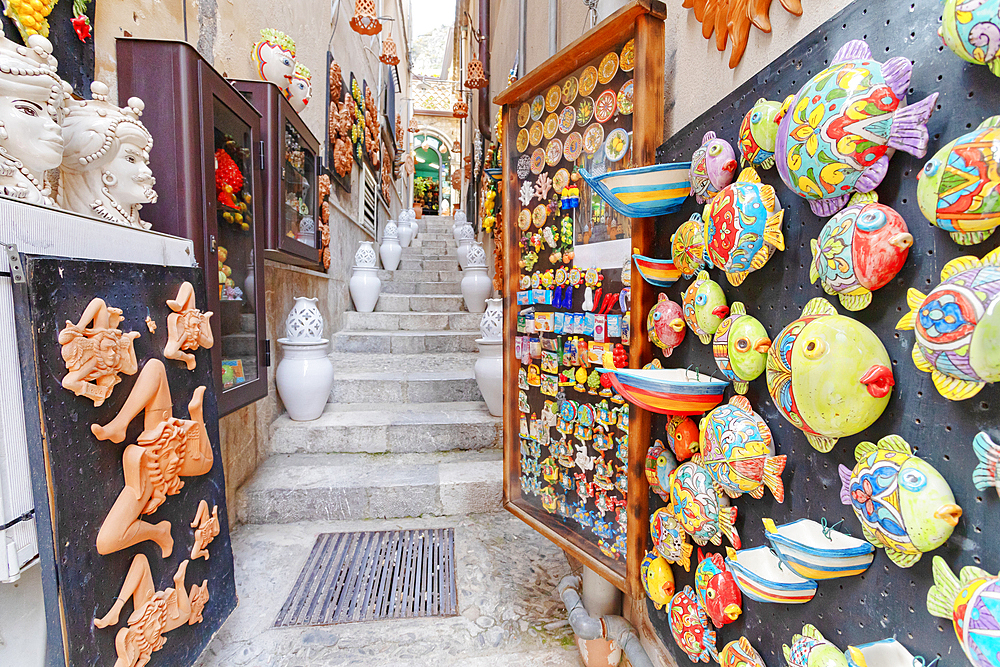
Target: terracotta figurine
96, 351
206, 528
187, 327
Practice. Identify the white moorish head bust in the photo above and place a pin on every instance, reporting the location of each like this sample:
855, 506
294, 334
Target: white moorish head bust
31, 102
105, 165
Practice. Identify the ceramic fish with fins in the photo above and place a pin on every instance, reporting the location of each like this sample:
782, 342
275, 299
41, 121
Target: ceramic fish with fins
958, 189
957, 326
657, 579
811, 649
988, 453
758, 134
659, 463
836, 135
704, 307
972, 602
665, 324
698, 507
828, 374
687, 246
713, 166
669, 539
682, 436
740, 347
716, 588
743, 227
903, 503
740, 653
971, 28
859, 250
690, 628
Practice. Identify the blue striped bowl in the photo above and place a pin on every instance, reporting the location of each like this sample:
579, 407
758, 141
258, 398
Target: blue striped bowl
816, 552
762, 577
643, 192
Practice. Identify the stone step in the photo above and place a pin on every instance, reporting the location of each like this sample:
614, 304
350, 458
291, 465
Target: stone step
405, 342
351, 362
429, 253
420, 303
397, 387
433, 240
428, 264
308, 487
448, 288
420, 276
409, 321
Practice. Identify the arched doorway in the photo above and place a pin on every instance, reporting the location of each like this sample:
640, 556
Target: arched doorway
432, 166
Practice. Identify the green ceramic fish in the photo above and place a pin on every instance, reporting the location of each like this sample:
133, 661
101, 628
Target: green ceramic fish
704, 306
811, 649
740, 347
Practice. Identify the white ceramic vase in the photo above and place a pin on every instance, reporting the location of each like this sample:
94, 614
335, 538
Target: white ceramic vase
365, 287
304, 378
489, 374
412, 220
405, 233
476, 283
365, 255
249, 284
491, 323
390, 251
465, 236
460, 221
304, 323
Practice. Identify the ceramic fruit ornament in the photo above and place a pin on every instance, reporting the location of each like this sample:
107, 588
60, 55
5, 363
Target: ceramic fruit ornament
739, 653
758, 134
713, 166
669, 539
740, 347
700, 510
837, 134
859, 250
811, 649
972, 31
716, 589
970, 600
957, 326
738, 451
657, 579
665, 324
704, 306
687, 246
902, 502
828, 374
682, 437
690, 628
957, 188
743, 227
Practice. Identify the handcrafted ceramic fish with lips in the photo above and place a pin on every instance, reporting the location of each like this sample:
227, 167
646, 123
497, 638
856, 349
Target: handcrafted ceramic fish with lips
665, 324
690, 628
971, 28
758, 134
687, 246
828, 374
704, 306
698, 507
740, 653
811, 649
682, 436
669, 539
972, 602
713, 166
657, 579
902, 502
716, 588
740, 347
659, 464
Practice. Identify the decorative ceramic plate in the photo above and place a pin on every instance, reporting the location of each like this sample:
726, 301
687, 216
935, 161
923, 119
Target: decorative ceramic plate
569, 89
605, 106
627, 60
573, 147
574, 276
539, 215
560, 180
560, 276
567, 119
552, 98
617, 145
593, 138
588, 79
523, 166
551, 125
522, 140
584, 111
537, 161
625, 98
553, 152
535, 134
537, 107
525, 284
523, 114
608, 68
524, 219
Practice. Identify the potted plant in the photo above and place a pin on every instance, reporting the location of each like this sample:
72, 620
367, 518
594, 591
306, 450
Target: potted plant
419, 192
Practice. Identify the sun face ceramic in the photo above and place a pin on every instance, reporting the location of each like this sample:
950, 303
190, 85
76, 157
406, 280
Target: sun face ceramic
704, 306
859, 250
758, 134
738, 451
743, 227
665, 324
690, 628
970, 600
739, 653
902, 502
713, 166
740, 347
669, 539
811, 649
972, 31
657, 579
698, 507
828, 374
687, 246
682, 437
957, 188
957, 326
837, 134
716, 589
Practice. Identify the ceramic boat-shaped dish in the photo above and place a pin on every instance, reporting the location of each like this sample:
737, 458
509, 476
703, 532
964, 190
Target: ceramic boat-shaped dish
668, 391
886, 653
815, 552
643, 192
496, 173
657, 272
762, 577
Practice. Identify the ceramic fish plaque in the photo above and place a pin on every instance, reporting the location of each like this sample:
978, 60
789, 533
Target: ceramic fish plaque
669, 539
758, 134
828, 374
657, 579
957, 326
971, 28
704, 307
690, 628
903, 503
716, 589
740, 347
988, 453
859, 250
743, 227
713, 166
682, 437
687, 246
702, 511
811, 649
665, 324
659, 464
972, 602
739, 653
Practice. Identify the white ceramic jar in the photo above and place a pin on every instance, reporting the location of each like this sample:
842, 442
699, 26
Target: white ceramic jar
465, 237
365, 284
405, 233
304, 322
460, 221
477, 285
304, 376
390, 251
489, 365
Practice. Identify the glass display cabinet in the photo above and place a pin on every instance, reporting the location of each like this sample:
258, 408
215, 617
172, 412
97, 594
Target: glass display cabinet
291, 165
207, 158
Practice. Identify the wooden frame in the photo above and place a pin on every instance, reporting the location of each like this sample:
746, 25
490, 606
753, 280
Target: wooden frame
643, 20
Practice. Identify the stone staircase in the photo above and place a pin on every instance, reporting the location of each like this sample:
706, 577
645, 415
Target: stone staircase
406, 432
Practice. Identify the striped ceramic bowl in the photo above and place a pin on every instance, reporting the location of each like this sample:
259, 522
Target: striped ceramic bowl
763, 577
814, 551
643, 192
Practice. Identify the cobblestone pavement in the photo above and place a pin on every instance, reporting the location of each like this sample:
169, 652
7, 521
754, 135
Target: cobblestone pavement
509, 613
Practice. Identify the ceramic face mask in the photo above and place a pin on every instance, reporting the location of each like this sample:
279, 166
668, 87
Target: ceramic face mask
274, 56
300, 88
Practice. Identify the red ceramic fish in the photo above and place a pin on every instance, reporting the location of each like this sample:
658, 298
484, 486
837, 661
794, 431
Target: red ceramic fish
717, 590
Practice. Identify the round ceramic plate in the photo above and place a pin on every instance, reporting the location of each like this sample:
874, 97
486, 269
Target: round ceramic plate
588, 79
608, 68
569, 90
537, 161
625, 98
573, 147
574, 276
537, 107
552, 98
567, 119
553, 152
523, 114
535, 135
523, 166
605, 106
526, 278
617, 145
560, 276
627, 60
593, 138
584, 111
539, 214
524, 219
551, 125
522, 140
560, 180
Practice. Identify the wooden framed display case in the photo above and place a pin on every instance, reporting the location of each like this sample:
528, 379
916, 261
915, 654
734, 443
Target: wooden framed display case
208, 161
637, 30
291, 166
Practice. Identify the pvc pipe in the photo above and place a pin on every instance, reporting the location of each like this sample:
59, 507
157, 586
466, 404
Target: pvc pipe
600, 597
615, 628
553, 27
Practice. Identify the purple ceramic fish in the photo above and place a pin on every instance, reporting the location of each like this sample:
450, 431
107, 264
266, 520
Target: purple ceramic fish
713, 167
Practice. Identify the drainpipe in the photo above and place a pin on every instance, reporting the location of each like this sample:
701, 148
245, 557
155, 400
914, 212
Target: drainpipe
485, 115
553, 27
522, 37
615, 628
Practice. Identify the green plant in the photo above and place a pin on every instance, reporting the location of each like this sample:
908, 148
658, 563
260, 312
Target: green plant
420, 186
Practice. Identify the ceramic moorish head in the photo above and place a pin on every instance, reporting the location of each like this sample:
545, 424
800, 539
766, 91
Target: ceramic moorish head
657, 579
665, 324
690, 628
704, 306
740, 347
713, 166
972, 31
274, 56
716, 588
758, 133
299, 89
687, 246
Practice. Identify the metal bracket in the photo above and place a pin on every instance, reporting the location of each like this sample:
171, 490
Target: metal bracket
14, 259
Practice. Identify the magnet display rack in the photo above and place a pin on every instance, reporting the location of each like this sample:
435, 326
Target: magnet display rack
886, 600
643, 21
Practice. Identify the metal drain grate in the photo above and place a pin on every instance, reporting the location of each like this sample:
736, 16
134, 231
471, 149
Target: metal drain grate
367, 576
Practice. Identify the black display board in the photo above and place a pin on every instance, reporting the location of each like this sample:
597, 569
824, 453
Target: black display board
886, 601
83, 476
